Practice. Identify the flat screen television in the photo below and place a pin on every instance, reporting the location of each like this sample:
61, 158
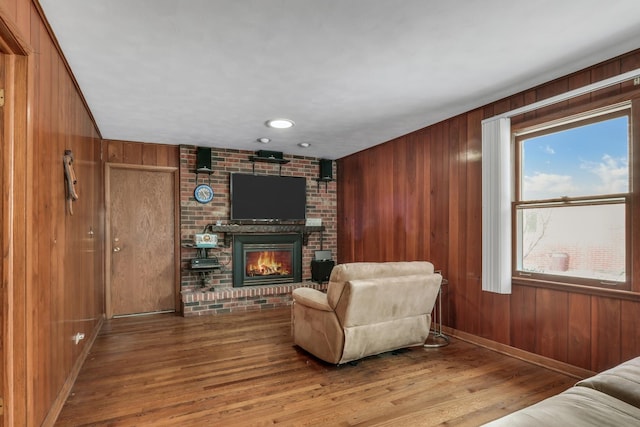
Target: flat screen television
268, 198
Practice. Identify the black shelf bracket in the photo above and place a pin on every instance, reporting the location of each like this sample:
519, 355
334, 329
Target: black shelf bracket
326, 183
204, 171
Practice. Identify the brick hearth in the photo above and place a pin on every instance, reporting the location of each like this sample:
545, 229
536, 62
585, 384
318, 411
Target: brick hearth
198, 302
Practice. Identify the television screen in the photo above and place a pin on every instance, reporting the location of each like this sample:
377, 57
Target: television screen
268, 197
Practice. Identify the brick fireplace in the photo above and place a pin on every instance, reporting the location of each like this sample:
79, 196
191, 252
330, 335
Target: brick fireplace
267, 259
214, 292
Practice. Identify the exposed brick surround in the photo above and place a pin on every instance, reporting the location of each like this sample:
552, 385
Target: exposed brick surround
198, 302
218, 295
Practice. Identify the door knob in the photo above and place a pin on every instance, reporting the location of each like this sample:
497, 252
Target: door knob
116, 249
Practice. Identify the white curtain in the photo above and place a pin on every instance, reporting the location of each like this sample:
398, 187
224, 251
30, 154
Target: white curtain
496, 205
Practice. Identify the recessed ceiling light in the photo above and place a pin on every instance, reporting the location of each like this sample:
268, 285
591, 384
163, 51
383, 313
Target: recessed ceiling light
304, 144
279, 123
264, 140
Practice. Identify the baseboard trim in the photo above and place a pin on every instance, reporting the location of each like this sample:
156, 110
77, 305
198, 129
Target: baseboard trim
536, 359
57, 405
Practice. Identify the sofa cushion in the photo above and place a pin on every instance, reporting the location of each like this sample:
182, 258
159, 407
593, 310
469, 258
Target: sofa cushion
621, 382
578, 406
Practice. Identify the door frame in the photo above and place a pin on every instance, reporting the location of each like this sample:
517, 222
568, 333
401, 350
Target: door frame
108, 167
16, 272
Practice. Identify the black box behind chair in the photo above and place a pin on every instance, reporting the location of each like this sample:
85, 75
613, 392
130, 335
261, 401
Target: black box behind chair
321, 270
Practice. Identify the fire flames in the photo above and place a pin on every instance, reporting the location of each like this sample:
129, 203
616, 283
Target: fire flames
268, 263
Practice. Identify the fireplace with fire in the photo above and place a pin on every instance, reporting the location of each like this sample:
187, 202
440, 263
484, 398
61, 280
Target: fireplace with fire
266, 259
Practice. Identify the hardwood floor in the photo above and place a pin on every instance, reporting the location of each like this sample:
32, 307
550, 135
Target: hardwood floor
243, 370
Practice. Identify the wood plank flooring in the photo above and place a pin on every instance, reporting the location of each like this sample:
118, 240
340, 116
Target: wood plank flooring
243, 370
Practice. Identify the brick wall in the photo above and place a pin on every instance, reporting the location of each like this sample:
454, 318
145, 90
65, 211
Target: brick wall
194, 216
197, 302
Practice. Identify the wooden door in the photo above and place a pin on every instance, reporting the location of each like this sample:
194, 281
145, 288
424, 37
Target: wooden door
141, 240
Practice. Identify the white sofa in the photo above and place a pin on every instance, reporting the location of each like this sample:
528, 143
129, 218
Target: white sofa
610, 398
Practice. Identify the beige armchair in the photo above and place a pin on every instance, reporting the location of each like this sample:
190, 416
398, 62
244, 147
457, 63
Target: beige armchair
369, 308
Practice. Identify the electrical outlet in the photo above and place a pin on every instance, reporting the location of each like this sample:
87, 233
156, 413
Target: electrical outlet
636, 81
78, 337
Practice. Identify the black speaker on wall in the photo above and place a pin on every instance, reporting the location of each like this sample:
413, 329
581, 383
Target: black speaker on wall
266, 154
203, 159
326, 170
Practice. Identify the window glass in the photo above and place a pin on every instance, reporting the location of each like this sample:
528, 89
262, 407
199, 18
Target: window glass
571, 200
585, 160
581, 241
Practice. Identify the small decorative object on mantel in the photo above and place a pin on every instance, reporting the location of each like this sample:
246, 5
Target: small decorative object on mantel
313, 222
70, 179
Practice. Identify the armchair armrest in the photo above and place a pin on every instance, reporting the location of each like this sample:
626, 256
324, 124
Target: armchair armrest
311, 298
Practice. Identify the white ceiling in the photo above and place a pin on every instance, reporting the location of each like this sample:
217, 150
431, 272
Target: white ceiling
350, 73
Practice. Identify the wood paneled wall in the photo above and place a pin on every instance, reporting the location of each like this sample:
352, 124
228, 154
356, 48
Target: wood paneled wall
419, 197
52, 260
141, 154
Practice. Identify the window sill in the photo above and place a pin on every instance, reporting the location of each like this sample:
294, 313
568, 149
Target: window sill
581, 289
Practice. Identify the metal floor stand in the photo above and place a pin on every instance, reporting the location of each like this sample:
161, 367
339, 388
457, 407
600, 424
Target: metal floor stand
438, 337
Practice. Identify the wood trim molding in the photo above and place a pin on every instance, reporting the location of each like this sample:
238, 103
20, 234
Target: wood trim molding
566, 96
10, 40
15, 271
579, 289
536, 359
176, 240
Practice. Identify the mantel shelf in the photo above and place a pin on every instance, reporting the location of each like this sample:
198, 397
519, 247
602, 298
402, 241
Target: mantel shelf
230, 230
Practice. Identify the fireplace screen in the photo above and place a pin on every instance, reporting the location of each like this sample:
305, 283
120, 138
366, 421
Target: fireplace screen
267, 259
268, 263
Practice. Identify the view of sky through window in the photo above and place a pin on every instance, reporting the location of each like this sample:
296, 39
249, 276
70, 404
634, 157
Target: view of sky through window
577, 240
582, 161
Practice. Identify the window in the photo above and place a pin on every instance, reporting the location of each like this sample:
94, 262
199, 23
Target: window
571, 209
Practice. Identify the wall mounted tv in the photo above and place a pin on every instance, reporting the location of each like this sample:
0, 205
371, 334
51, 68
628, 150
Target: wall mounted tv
268, 198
